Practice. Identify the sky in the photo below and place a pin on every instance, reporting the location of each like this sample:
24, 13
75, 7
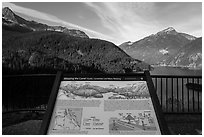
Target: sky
117, 22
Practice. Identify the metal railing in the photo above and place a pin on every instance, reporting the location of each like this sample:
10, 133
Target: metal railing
26, 92
177, 94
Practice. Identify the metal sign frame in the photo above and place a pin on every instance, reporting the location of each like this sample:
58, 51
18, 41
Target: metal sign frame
145, 76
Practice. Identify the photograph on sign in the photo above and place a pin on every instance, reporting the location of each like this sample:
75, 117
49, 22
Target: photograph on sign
103, 107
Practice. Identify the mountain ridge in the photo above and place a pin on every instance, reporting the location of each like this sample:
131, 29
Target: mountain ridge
159, 49
10, 18
28, 51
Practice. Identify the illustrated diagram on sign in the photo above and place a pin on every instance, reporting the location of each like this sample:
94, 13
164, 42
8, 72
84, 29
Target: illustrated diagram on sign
109, 90
68, 119
140, 121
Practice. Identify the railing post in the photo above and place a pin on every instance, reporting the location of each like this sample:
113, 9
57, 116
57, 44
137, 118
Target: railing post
166, 94
172, 95
177, 96
188, 95
161, 93
198, 97
182, 95
193, 94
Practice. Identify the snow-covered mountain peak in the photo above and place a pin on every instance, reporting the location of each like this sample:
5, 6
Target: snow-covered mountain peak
169, 29
8, 14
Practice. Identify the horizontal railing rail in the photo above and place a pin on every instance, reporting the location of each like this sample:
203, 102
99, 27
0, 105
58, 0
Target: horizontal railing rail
174, 76
177, 94
28, 75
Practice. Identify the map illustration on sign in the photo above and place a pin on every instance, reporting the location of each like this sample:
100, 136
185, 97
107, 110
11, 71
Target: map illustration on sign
137, 121
68, 119
80, 90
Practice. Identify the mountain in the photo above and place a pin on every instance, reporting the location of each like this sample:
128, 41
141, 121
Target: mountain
46, 51
8, 14
190, 55
189, 37
43, 49
160, 48
13, 21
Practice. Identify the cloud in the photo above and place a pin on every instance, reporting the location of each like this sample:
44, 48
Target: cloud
186, 18
126, 20
131, 21
136, 20
51, 18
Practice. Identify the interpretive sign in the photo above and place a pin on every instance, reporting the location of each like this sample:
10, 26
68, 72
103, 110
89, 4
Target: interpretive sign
104, 104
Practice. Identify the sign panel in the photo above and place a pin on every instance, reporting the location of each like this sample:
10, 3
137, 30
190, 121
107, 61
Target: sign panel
103, 106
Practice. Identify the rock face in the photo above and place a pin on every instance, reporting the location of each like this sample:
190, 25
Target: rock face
163, 48
8, 14
10, 19
190, 55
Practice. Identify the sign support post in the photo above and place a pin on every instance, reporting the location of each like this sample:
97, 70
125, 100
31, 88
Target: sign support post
51, 103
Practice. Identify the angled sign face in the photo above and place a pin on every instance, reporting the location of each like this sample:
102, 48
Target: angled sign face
104, 105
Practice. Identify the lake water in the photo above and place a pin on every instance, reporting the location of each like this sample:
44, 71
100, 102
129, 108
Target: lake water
175, 71
173, 93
